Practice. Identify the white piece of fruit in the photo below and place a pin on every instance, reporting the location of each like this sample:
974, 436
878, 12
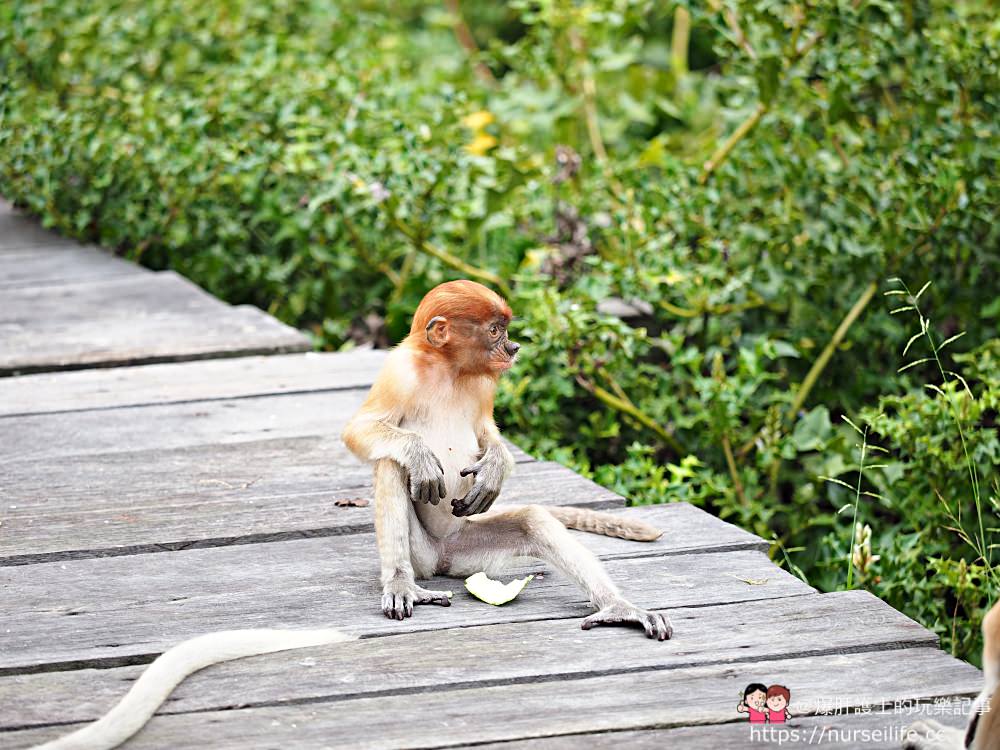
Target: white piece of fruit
494, 592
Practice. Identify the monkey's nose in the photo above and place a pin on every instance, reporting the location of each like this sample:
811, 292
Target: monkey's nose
513, 348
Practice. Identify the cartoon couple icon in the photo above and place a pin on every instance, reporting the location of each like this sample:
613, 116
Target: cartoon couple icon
765, 705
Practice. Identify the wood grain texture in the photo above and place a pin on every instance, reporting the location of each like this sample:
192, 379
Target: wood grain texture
19, 232
128, 503
844, 730
809, 625
700, 695
153, 317
110, 611
175, 382
62, 265
205, 424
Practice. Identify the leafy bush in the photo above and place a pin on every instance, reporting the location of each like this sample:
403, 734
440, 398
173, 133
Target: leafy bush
745, 173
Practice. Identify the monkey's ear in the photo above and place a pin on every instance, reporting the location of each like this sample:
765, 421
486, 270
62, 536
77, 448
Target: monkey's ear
437, 331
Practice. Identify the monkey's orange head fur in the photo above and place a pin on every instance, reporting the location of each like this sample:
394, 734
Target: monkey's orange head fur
464, 324
459, 300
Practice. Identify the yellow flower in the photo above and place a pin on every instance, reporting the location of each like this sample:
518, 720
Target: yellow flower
482, 143
478, 120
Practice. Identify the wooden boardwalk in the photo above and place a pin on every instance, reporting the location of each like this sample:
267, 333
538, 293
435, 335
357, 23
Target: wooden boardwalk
141, 504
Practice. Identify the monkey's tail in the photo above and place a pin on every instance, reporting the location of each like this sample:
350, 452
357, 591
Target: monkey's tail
169, 670
607, 524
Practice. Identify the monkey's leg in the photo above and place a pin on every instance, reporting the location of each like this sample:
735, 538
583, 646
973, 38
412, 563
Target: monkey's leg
398, 541
530, 531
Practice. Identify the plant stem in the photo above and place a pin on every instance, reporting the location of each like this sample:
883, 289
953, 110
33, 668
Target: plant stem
465, 38
626, 406
973, 474
733, 22
679, 41
824, 358
857, 502
447, 258
722, 152
727, 448
589, 86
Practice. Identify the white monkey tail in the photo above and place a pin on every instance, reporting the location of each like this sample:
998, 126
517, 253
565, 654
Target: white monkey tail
606, 524
169, 670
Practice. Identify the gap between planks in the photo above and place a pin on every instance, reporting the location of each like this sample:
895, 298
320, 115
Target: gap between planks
189, 382
702, 695
107, 612
146, 513
531, 652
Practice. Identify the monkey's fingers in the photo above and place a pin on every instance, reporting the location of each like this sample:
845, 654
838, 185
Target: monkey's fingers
459, 506
653, 623
658, 626
483, 500
474, 469
397, 606
426, 492
477, 500
428, 596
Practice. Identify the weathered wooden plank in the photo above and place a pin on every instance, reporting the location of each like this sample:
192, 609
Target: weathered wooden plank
46, 266
110, 611
19, 231
843, 730
169, 426
175, 382
154, 317
151, 501
654, 699
798, 626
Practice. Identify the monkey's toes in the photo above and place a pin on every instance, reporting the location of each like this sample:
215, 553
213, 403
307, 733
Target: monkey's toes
397, 606
428, 596
658, 626
654, 624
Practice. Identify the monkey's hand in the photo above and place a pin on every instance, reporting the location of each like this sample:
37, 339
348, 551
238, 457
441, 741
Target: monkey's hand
490, 471
426, 473
399, 596
622, 612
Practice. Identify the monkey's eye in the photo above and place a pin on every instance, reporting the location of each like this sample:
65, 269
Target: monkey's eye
494, 330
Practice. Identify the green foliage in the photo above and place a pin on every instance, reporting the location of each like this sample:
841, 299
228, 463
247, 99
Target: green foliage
750, 172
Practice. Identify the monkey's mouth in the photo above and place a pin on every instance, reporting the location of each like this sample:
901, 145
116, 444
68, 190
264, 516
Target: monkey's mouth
505, 364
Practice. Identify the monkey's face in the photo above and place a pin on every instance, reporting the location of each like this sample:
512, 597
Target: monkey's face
501, 351
484, 347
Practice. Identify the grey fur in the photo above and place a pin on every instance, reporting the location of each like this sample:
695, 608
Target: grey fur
426, 474
490, 471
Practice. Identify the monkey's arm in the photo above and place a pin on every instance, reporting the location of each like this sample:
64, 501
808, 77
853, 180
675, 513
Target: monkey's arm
490, 471
374, 434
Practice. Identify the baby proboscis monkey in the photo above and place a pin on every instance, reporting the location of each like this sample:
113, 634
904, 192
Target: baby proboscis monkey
439, 464
427, 425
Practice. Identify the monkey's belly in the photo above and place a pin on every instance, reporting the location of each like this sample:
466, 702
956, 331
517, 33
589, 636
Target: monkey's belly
456, 446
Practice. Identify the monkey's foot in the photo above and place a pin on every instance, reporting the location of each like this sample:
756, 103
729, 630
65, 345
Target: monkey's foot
927, 734
398, 598
656, 625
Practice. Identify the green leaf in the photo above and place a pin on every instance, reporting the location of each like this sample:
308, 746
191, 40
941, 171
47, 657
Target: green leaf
909, 343
949, 340
856, 428
915, 363
768, 75
812, 430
